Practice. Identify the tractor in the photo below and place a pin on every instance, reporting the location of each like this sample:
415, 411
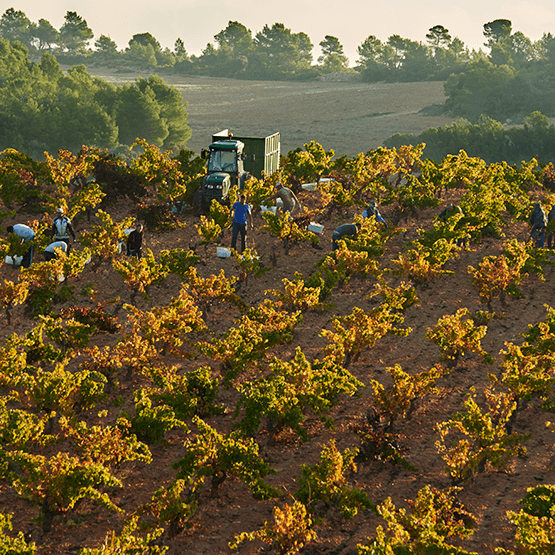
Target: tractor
230, 161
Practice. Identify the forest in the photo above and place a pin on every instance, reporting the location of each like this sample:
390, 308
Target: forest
392, 396
512, 84
487, 139
511, 78
44, 109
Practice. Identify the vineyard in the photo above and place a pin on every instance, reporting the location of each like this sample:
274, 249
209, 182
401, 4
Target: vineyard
392, 396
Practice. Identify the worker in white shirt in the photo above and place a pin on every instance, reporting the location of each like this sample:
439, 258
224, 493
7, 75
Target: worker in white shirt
54, 249
27, 235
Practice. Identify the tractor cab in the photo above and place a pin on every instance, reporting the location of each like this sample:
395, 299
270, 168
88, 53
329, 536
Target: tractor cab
226, 156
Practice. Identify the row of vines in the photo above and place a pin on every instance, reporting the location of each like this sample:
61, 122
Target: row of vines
90, 390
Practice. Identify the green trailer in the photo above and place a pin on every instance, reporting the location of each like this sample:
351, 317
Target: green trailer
261, 153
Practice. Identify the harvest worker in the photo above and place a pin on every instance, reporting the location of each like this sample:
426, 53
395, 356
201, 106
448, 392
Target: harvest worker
134, 242
452, 210
538, 221
27, 235
61, 227
372, 210
550, 227
448, 211
241, 212
287, 196
54, 249
343, 231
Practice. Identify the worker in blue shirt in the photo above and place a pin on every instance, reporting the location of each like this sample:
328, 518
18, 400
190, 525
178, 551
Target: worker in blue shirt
372, 210
241, 214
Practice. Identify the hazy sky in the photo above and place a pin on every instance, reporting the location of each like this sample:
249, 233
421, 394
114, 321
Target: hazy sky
351, 21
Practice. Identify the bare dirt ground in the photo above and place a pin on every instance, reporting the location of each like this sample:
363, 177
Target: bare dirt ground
346, 117
488, 497
349, 118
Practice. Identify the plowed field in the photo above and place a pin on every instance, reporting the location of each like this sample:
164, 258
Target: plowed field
346, 117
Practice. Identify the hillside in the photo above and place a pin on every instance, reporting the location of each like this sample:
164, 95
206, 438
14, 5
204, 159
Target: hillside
488, 496
348, 117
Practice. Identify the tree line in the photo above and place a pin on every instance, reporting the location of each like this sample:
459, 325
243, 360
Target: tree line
508, 83
513, 79
487, 138
44, 109
276, 52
